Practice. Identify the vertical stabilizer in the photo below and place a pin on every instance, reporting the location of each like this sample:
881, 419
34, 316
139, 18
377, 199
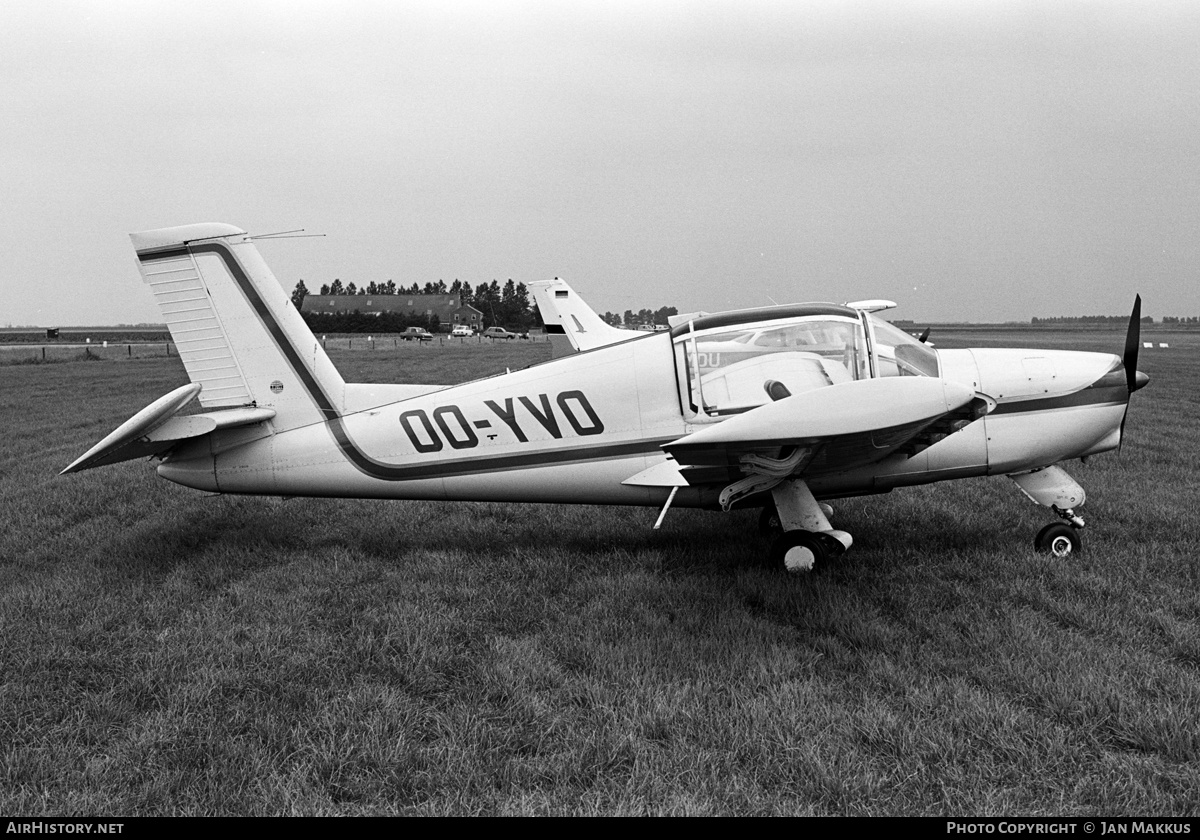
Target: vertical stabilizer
565, 314
238, 334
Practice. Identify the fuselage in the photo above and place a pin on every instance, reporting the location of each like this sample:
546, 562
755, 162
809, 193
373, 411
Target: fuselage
574, 429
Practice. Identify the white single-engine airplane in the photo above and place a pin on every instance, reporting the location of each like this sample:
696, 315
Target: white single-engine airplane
772, 408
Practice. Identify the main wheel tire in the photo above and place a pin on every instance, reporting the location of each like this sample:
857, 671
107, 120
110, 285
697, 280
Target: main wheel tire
1058, 540
768, 521
799, 552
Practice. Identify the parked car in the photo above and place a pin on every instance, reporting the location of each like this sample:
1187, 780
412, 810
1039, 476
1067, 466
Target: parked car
462, 331
416, 334
499, 332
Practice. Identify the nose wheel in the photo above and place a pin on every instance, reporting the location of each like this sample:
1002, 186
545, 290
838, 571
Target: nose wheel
1051, 487
1058, 539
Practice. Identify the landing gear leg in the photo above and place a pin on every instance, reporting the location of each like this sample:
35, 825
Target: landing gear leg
1051, 487
808, 540
768, 519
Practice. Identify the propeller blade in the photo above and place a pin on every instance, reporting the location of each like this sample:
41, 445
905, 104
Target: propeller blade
1133, 343
924, 335
1121, 439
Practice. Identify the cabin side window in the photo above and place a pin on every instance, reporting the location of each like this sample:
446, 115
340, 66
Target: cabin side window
734, 369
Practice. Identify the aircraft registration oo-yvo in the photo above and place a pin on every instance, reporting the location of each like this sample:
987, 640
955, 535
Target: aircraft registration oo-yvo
774, 408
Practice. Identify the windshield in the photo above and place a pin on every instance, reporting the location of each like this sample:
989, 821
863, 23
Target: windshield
899, 354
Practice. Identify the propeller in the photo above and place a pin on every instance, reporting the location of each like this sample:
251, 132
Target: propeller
1133, 379
924, 336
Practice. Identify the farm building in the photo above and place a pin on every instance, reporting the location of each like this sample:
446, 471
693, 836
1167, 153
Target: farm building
448, 308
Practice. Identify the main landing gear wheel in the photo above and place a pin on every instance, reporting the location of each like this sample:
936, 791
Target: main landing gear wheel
804, 551
768, 521
1059, 540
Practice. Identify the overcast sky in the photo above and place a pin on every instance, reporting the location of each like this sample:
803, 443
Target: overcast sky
984, 161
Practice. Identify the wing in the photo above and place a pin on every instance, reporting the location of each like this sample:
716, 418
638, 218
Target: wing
818, 432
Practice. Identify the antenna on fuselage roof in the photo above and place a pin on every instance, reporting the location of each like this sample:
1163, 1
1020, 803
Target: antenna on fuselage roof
298, 233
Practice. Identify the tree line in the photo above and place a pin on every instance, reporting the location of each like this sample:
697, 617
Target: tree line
643, 317
505, 306
1099, 320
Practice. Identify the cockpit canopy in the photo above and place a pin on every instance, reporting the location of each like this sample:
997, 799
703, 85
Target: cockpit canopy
734, 362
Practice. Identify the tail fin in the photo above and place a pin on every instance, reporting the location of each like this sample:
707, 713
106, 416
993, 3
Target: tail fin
565, 314
238, 334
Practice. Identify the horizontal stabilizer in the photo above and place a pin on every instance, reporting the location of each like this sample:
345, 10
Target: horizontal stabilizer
155, 429
195, 425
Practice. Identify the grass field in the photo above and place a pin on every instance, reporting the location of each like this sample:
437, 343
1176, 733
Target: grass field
164, 652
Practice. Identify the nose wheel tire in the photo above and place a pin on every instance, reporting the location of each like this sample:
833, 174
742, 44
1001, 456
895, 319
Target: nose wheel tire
1058, 540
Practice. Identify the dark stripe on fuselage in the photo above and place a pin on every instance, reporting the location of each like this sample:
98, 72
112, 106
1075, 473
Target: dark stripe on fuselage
1109, 389
363, 462
524, 460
